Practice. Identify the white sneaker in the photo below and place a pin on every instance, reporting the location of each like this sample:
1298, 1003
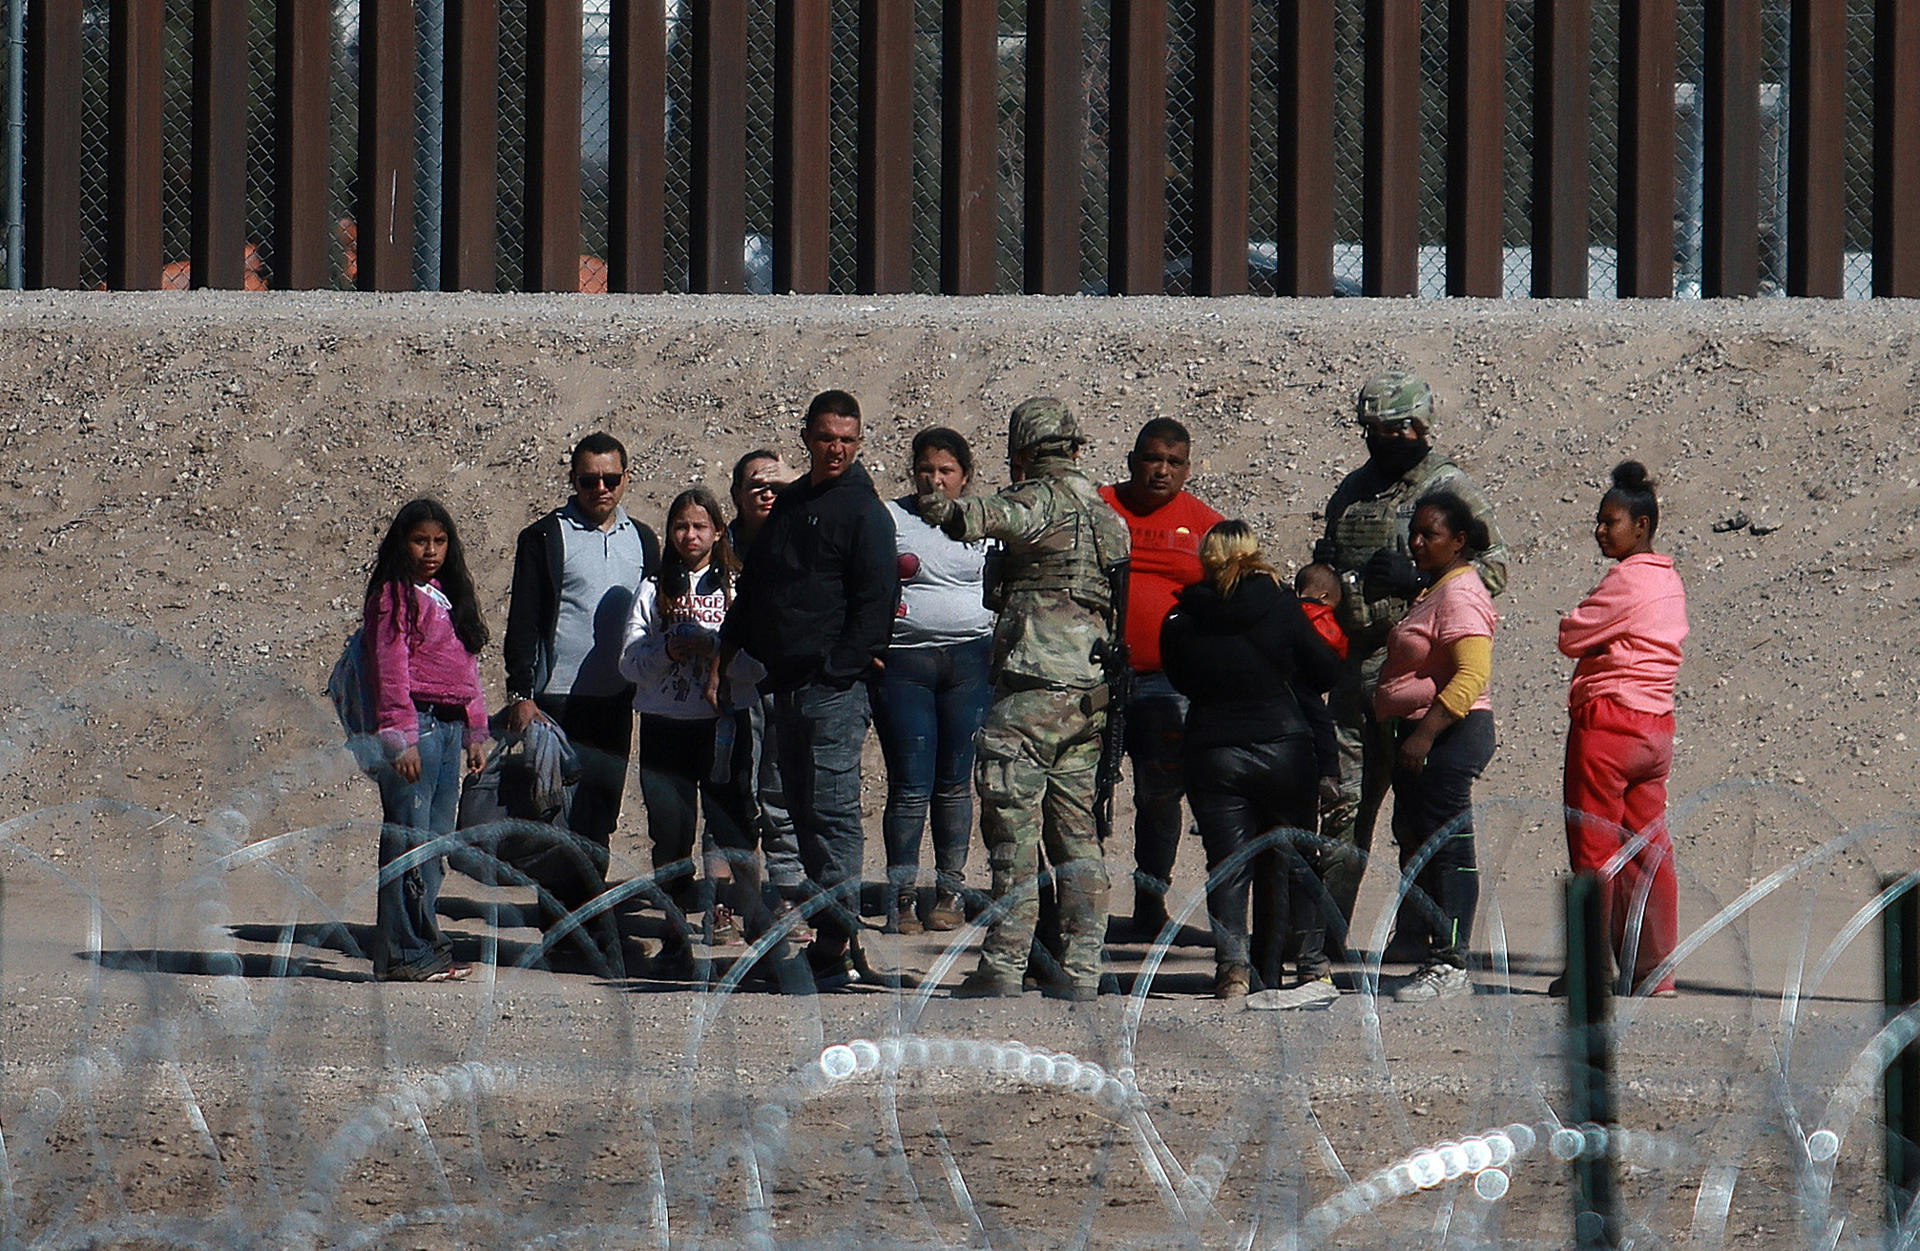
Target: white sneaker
1436, 981
1319, 992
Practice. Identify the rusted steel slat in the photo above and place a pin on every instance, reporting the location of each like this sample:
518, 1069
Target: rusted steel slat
1056, 143
1896, 149
883, 247
384, 197
968, 210
1220, 150
1476, 108
802, 43
133, 146
52, 206
1730, 201
553, 145
1137, 173
1561, 83
719, 207
219, 179
302, 66
636, 210
1647, 33
1816, 99
469, 233
1390, 167
1305, 82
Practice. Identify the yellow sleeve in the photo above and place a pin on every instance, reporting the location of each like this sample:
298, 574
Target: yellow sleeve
1473, 666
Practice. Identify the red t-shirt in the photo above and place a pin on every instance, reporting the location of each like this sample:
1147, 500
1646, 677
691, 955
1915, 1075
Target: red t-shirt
1321, 618
1166, 557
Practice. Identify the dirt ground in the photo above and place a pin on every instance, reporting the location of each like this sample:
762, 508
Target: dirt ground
192, 1053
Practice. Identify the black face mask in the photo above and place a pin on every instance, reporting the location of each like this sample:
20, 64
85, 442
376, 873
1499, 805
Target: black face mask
1393, 455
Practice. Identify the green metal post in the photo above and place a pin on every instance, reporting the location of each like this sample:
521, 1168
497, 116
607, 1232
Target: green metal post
1596, 1217
1900, 924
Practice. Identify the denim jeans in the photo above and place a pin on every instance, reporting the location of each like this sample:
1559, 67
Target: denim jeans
821, 730
927, 707
1437, 802
773, 824
407, 938
1156, 731
676, 766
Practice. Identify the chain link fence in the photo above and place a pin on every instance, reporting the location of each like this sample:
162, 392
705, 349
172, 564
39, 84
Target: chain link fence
1011, 118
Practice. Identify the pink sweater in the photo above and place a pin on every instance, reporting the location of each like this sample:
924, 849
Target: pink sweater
1626, 635
429, 663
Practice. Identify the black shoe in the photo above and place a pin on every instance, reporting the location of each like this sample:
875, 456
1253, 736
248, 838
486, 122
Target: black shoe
1149, 915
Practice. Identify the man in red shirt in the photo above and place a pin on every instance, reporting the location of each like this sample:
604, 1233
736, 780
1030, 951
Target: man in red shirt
1166, 525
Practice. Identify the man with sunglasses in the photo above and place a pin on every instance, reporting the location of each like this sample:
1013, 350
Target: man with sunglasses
1366, 543
575, 572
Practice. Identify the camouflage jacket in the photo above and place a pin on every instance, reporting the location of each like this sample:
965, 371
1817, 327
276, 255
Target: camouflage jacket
1368, 512
1060, 538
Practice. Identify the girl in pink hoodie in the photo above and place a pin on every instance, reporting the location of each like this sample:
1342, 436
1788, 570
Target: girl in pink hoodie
1626, 637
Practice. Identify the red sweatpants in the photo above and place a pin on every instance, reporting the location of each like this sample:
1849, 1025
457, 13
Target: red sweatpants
1615, 791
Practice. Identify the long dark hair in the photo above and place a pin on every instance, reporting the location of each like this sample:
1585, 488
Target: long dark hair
393, 574
674, 577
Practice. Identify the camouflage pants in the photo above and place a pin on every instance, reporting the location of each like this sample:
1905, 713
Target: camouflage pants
1366, 769
1036, 757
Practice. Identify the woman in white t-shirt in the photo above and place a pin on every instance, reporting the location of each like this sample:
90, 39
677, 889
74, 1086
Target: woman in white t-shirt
934, 692
689, 752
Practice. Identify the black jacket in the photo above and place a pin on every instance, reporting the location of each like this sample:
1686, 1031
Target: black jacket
1238, 659
818, 591
534, 604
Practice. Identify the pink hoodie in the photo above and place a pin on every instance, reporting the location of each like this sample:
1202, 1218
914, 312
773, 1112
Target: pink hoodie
1626, 635
429, 662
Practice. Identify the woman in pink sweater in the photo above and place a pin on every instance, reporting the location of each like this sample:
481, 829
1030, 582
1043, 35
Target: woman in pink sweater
421, 629
1626, 636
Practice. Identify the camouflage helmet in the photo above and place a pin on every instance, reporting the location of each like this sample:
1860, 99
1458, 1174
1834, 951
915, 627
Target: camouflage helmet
1394, 397
1042, 419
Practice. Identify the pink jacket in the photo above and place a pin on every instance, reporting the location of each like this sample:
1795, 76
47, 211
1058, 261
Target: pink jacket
429, 662
1626, 635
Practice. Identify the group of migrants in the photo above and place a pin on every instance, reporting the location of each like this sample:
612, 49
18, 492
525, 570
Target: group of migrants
1020, 646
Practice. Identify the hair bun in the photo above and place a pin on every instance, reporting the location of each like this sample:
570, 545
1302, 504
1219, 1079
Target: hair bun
1631, 475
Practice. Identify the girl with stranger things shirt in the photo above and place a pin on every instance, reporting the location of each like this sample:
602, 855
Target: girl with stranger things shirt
688, 752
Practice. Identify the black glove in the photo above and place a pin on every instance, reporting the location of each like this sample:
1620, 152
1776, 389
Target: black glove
1391, 575
1325, 552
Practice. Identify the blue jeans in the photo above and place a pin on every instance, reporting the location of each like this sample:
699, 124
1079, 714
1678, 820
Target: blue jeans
407, 939
927, 706
1156, 736
773, 824
821, 730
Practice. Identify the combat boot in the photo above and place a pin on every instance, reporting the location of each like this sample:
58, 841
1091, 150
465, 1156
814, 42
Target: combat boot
986, 983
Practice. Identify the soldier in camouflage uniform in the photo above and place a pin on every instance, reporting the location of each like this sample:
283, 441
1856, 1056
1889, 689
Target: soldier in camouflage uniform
1366, 543
1040, 747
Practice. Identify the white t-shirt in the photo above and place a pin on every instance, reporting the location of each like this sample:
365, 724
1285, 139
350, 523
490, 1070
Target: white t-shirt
940, 599
663, 686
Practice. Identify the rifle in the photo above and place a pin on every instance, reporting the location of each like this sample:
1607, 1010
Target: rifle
1116, 671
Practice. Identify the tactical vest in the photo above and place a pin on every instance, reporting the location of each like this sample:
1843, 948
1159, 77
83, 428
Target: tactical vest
1368, 525
1072, 556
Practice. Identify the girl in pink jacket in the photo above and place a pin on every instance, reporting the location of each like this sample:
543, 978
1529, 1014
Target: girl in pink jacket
1626, 636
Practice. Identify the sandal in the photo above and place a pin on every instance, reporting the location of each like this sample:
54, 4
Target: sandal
455, 972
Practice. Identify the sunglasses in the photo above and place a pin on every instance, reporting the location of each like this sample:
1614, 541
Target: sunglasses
598, 481
759, 488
